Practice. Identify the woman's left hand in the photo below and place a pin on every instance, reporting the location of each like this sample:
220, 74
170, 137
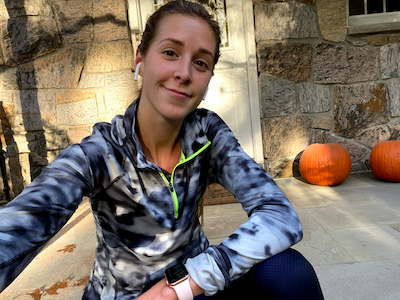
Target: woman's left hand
162, 291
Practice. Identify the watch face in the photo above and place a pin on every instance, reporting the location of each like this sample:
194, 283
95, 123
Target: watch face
176, 273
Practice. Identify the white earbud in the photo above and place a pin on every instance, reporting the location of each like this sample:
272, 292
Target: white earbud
205, 94
137, 71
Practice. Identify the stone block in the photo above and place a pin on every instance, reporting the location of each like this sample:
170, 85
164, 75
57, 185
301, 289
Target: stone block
357, 107
285, 137
91, 81
345, 64
356, 151
332, 19
292, 62
315, 98
279, 167
393, 86
75, 20
110, 23
74, 96
322, 121
35, 102
373, 136
283, 20
383, 38
109, 57
77, 113
76, 134
390, 60
56, 140
7, 97
19, 8
121, 91
11, 80
277, 96
26, 38
61, 70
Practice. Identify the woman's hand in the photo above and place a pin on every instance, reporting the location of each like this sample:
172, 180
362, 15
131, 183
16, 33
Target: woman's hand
162, 291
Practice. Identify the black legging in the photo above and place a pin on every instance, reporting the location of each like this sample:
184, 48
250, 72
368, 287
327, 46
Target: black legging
285, 276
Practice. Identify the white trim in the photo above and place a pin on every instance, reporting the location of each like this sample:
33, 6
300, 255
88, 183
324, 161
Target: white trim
252, 74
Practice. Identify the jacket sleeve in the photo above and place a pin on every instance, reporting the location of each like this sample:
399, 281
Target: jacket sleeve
40, 211
272, 226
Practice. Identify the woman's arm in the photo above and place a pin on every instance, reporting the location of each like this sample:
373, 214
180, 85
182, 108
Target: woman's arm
39, 212
272, 226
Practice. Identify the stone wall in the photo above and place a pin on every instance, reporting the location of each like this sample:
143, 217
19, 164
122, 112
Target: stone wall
64, 65
313, 76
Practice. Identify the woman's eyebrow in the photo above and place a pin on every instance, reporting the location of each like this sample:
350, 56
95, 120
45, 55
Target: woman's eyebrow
180, 43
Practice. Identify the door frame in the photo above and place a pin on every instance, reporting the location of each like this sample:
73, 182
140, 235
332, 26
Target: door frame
137, 24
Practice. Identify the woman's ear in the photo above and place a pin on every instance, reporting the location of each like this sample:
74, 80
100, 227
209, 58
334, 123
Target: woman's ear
138, 58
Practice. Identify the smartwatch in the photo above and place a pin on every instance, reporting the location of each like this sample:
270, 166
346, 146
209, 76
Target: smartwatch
178, 279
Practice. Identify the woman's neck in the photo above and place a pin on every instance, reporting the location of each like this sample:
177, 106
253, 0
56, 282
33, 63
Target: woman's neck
159, 139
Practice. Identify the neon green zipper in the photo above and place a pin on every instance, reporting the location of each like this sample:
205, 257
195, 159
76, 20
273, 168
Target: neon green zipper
171, 183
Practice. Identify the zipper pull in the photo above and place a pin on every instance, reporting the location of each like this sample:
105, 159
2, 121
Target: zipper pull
171, 188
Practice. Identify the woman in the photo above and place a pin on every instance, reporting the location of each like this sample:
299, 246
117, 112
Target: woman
145, 174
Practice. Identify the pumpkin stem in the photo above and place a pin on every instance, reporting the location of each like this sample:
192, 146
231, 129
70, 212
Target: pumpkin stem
323, 137
395, 135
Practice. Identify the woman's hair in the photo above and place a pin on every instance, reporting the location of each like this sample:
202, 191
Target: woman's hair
181, 7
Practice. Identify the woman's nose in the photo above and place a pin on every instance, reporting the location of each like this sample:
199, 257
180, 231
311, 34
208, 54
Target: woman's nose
183, 72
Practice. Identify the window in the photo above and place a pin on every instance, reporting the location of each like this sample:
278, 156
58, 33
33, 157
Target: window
368, 16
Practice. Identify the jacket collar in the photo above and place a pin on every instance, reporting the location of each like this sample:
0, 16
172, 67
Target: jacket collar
191, 137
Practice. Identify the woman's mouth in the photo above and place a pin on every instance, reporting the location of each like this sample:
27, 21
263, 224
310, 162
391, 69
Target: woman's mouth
177, 94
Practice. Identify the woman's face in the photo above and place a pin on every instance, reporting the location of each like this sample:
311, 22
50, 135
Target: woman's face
177, 68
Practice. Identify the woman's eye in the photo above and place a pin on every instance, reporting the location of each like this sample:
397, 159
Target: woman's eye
169, 53
201, 64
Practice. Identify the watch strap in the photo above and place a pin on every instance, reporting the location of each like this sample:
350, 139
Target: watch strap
183, 290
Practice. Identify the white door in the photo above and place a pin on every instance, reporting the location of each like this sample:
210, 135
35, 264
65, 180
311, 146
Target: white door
233, 90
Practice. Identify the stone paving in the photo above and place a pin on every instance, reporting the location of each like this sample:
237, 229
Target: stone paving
351, 236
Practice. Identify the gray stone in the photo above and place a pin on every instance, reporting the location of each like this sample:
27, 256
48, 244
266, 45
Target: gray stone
279, 167
77, 113
358, 107
345, 64
393, 86
18, 8
61, 70
285, 137
277, 96
291, 62
11, 80
109, 57
56, 140
371, 137
314, 98
390, 60
322, 121
277, 21
332, 18
35, 102
26, 38
110, 23
75, 20
356, 152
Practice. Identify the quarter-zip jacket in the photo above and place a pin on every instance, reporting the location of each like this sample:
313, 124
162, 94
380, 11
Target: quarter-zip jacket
146, 222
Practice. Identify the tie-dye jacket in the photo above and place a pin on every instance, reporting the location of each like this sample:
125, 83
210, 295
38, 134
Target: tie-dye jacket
144, 222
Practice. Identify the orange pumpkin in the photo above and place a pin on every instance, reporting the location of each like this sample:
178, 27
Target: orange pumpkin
385, 160
325, 164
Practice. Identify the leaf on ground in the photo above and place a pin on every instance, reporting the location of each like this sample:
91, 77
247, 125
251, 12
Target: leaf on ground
82, 281
36, 294
59, 285
68, 248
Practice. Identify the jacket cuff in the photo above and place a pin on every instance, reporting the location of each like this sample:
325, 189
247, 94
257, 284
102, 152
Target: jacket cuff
205, 273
